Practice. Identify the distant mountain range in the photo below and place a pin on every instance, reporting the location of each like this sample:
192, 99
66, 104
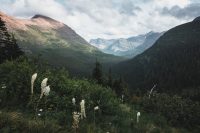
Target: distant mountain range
56, 43
173, 62
128, 47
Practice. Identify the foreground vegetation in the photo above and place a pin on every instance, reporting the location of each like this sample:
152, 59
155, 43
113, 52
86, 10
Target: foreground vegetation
18, 112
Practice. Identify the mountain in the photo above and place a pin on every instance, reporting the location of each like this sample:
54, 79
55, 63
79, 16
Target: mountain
128, 47
172, 63
56, 43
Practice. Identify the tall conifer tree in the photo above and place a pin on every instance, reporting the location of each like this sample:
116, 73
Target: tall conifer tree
9, 49
97, 73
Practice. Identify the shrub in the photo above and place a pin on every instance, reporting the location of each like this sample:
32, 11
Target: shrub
178, 111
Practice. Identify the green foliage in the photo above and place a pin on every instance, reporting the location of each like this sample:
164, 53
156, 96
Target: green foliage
97, 73
120, 87
110, 79
15, 77
14, 122
111, 117
8, 47
178, 111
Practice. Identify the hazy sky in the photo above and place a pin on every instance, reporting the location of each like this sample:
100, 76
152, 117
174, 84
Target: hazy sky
108, 18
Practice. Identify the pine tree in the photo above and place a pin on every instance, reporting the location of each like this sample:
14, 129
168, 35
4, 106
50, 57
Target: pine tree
110, 80
97, 73
120, 86
9, 49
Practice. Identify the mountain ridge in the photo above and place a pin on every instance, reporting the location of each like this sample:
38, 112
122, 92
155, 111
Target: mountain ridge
172, 62
128, 47
56, 42
43, 16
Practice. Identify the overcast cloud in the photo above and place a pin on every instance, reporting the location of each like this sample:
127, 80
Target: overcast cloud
189, 12
108, 18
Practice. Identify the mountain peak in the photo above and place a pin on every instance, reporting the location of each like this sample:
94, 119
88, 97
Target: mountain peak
43, 17
197, 19
151, 32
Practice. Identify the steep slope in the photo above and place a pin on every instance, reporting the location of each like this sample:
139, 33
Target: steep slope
128, 47
56, 43
172, 63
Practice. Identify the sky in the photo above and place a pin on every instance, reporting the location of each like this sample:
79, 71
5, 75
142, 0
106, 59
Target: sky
108, 18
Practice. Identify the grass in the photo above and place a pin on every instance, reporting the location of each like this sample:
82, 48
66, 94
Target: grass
21, 122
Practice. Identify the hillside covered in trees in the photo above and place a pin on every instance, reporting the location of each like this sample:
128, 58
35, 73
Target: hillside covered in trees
172, 63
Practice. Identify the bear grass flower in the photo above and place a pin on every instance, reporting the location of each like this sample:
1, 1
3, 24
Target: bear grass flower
46, 90
73, 101
3, 86
96, 108
151, 91
76, 118
43, 85
34, 76
138, 116
82, 104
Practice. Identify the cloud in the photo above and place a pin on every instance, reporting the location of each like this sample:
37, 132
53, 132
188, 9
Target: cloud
106, 18
28, 8
188, 12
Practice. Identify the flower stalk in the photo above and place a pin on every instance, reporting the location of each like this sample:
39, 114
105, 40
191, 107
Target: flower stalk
138, 117
34, 76
82, 104
76, 118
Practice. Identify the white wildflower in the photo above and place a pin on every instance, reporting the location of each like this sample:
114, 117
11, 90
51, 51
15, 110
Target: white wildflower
40, 110
39, 114
152, 90
96, 108
82, 104
122, 98
43, 85
46, 90
73, 101
3, 86
138, 116
76, 118
34, 76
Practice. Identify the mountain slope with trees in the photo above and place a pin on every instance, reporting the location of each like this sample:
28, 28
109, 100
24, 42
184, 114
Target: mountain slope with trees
56, 43
172, 63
